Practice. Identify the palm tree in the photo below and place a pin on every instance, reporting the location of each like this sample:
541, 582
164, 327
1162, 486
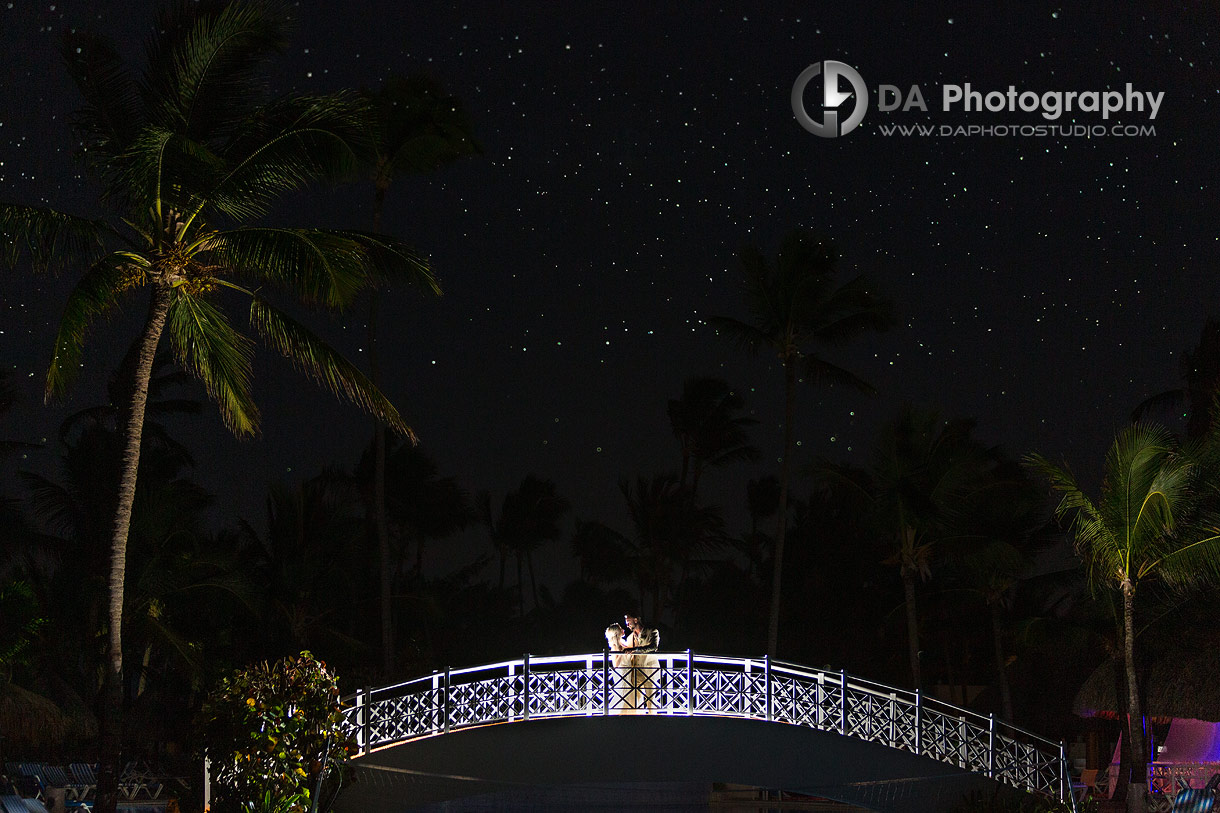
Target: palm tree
796, 308
307, 560
1200, 373
1147, 525
670, 532
919, 484
416, 128
190, 152
708, 428
762, 501
8, 398
529, 517
1003, 528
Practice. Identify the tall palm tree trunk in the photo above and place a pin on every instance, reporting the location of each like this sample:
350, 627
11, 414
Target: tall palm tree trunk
379, 514
529, 561
912, 611
1138, 780
112, 693
1001, 663
777, 565
520, 588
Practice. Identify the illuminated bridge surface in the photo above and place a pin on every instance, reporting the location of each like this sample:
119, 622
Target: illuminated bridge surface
578, 721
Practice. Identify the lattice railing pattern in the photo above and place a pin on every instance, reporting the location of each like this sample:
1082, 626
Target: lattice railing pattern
684, 683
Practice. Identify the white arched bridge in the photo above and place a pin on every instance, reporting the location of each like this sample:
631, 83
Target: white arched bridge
671, 720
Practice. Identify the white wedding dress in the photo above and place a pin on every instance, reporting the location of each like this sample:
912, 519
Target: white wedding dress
623, 694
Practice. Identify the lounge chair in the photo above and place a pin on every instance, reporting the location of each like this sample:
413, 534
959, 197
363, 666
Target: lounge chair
1196, 800
27, 785
11, 803
137, 780
53, 776
85, 777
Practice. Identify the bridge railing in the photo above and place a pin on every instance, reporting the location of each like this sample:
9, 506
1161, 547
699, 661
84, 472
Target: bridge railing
690, 684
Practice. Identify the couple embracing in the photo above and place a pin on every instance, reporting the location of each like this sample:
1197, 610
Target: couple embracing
636, 669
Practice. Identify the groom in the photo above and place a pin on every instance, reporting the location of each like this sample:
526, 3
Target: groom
639, 642
640, 639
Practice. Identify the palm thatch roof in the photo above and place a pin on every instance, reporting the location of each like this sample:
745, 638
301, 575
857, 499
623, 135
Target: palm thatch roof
32, 723
1180, 683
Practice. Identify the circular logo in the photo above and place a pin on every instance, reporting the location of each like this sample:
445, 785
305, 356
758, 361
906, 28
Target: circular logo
831, 71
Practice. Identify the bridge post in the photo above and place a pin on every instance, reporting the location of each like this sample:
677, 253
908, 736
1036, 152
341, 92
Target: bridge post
436, 722
525, 687
605, 682
843, 702
991, 745
1063, 772
918, 722
690, 684
366, 720
767, 682
446, 707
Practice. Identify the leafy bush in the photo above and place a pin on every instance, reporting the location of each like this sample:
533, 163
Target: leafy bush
272, 732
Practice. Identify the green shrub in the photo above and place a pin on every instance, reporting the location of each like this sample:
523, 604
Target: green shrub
272, 732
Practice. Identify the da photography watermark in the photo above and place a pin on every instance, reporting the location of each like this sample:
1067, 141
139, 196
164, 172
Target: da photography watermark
832, 117
827, 124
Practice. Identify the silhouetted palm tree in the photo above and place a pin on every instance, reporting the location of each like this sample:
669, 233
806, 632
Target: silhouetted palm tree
1200, 373
796, 309
8, 398
762, 502
529, 517
708, 428
309, 561
671, 533
1000, 531
602, 552
919, 483
190, 152
415, 128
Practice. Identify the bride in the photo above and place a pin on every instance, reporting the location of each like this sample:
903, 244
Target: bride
623, 695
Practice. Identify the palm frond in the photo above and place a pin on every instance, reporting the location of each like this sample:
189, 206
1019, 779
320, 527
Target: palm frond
850, 310
418, 126
320, 267
763, 298
53, 240
111, 115
324, 364
203, 65
820, 371
95, 294
391, 260
51, 505
206, 343
1194, 560
1092, 538
743, 334
291, 143
1170, 400
163, 170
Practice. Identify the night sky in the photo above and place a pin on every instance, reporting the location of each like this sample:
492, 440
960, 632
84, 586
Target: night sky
1045, 285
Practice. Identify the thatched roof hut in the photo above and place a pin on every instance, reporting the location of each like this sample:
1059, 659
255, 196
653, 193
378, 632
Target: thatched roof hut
1179, 684
32, 723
